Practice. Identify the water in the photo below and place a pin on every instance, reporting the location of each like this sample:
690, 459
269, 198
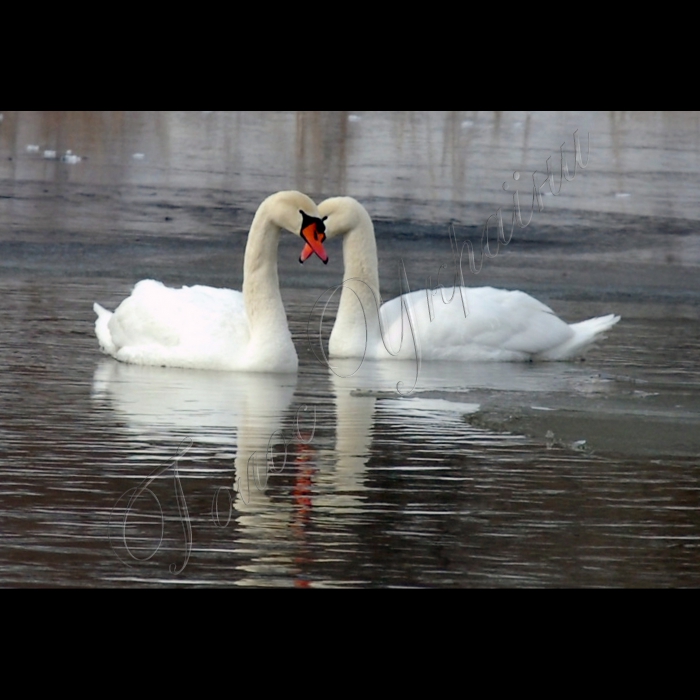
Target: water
574, 474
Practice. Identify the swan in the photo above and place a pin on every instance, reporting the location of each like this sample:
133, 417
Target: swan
206, 328
474, 324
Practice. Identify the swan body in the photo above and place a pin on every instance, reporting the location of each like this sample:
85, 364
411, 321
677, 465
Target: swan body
464, 324
208, 328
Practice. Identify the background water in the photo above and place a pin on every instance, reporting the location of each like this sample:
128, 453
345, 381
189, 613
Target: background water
575, 474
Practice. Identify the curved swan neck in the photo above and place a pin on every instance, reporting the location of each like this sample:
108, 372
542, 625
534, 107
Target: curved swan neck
360, 280
360, 252
267, 320
261, 292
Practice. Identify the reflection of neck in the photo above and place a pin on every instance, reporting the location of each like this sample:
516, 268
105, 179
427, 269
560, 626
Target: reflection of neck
354, 423
264, 400
261, 292
360, 299
355, 419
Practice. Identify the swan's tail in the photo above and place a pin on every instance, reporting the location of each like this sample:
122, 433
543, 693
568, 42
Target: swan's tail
585, 334
102, 330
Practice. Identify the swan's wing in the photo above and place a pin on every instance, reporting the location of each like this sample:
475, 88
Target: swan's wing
159, 324
498, 324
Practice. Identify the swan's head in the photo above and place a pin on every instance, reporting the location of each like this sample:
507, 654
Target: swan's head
298, 213
342, 215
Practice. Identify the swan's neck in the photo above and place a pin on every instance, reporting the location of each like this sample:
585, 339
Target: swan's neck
359, 299
261, 291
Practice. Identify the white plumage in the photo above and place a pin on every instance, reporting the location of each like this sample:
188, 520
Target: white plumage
207, 328
478, 324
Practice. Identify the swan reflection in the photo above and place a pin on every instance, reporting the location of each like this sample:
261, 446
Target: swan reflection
219, 408
430, 407
235, 416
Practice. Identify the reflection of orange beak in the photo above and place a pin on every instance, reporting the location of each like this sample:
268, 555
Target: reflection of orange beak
314, 243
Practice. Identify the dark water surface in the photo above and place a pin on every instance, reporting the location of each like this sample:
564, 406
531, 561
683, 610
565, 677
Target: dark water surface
559, 474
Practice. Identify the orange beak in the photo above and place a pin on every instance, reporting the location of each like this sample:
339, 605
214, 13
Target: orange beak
313, 233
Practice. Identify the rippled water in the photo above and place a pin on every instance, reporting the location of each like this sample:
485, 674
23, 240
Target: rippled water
562, 474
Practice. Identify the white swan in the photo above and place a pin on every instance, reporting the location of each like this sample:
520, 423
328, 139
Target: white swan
206, 328
477, 324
